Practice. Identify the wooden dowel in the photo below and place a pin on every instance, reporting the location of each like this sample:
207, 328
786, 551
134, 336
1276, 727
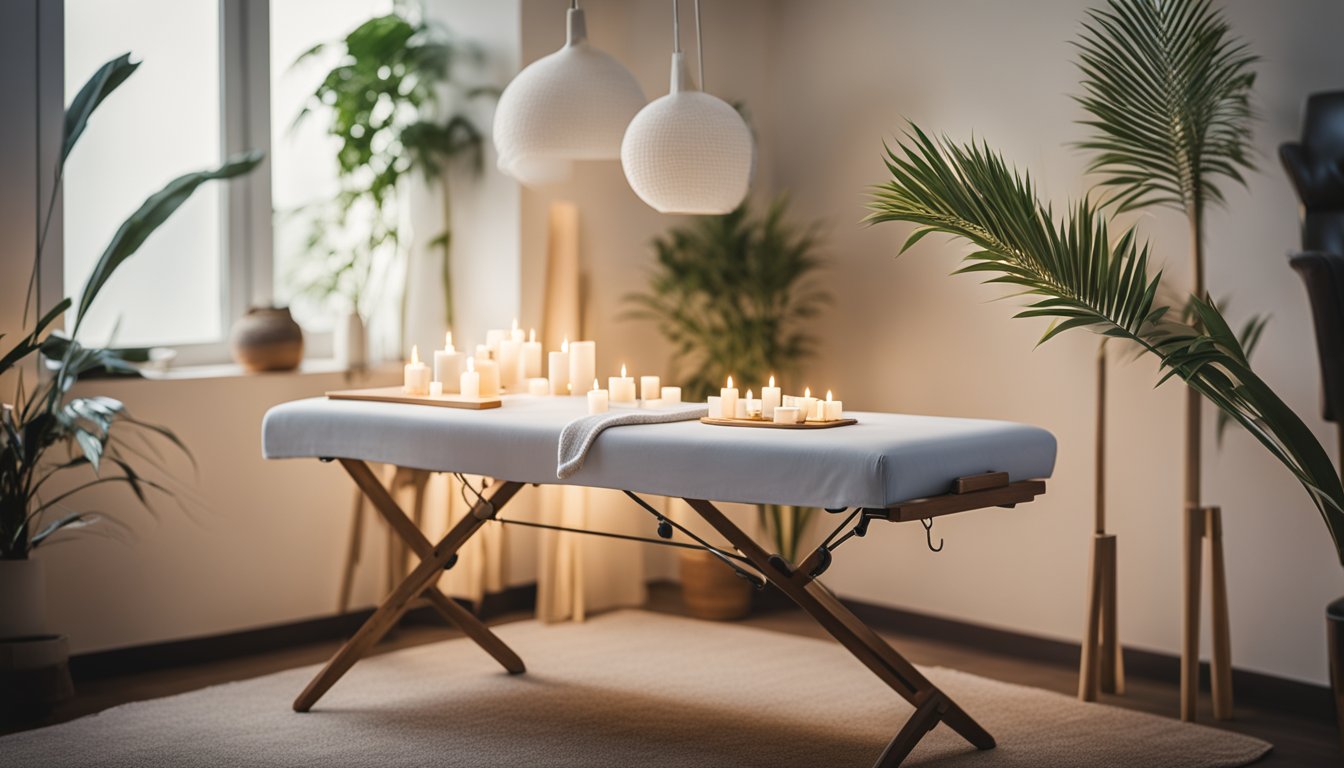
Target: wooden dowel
1193, 548
1221, 663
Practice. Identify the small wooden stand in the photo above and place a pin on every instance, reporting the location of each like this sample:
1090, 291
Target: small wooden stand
1103, 663
398, 395
1204, 534
768, 424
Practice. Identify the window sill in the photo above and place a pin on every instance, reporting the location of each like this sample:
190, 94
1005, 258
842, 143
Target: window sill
319, 367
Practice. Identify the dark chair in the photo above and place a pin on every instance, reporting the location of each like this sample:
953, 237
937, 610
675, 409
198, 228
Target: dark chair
1316, 167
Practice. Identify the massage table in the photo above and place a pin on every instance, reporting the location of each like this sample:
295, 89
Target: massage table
887, 467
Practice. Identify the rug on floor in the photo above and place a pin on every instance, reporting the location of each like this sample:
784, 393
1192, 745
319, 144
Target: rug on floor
627, 688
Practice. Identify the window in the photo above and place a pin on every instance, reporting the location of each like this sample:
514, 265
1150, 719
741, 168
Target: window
216, 77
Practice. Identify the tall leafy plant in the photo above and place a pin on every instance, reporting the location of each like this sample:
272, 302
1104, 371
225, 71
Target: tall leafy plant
383, 102
1079, 276
733, 294
45, 433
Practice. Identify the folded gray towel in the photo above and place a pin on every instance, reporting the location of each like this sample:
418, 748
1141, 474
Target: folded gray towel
578, 435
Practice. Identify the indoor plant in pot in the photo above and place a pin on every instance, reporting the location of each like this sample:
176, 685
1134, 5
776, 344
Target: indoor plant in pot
731, 293
54, 446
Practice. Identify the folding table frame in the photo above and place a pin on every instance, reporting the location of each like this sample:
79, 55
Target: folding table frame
799, 582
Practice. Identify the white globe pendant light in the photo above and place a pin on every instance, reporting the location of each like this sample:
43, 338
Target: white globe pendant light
689, 151
571, 105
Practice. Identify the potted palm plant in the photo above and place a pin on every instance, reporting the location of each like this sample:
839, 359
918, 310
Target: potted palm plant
54, 447
732, 294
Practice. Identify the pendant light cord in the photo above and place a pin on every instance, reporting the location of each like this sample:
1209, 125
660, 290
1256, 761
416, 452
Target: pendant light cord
676, 28
699, 46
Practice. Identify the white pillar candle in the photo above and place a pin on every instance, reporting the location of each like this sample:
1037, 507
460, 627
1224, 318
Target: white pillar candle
509, 357
532, 356
489, 371
448, 365
416, 378
770, 397
622, 387
597, 399
715, 407
671, 394
469, 383
436, 389
832, 409
538, 386
582, 365
786, 414
516, 333
729, 396
650, 387
807, 405
557, 369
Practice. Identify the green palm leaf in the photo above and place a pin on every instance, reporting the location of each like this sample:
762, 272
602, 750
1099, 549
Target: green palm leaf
1078, 276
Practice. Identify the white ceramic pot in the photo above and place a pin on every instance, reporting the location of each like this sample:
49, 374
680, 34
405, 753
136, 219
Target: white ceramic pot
23, 598
351, 342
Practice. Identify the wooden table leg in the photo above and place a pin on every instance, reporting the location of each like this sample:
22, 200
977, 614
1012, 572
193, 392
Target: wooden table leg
352, 553
422, 577
861, 641
1193, 541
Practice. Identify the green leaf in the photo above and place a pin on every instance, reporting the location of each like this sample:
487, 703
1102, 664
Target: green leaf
152, 213
99, 87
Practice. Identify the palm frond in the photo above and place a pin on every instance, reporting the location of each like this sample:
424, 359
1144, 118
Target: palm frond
1078, 276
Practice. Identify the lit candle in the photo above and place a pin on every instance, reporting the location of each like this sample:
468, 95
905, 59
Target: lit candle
557, 369
753, 406
494, 336
436, 388
832, 409
532, 356
489, 378
770, 397
416, 375
509, 360
597, 399
516, 333
786, 414
470, 381
650, 387
582, 364
448, 364
671, 395
715, 407
740, 408
538, 386
622, 387
807, 405
728, 395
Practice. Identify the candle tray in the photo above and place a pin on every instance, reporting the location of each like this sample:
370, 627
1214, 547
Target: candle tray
398, 395
768, 424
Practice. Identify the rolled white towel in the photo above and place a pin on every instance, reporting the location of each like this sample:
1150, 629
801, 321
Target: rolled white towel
577, 437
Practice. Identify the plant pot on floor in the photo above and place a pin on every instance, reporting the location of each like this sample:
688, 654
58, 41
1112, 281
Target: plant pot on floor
711, 589
34, 666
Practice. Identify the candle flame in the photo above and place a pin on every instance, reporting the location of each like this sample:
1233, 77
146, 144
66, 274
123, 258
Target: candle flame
807, 392
471, 364
730, 382
594, 384
564, 345
749, 395
622, 370
532, 335
828, 395
448, 342
515, 323
415, 354
772, 382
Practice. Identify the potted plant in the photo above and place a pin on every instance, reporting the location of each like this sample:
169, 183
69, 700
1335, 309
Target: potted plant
731, 293
46, 434
384, 103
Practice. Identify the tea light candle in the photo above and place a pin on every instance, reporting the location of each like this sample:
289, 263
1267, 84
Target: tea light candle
489, 378
532, 356
671, 395
538, 386
729, 396
715, 407
509, 357
436, 388
786, 414
582, 365
831, 409
448, 365
650, 387
770, 397
416, 378
557, 369
807, 405
470, 381
753, 406
597, 399
622, 387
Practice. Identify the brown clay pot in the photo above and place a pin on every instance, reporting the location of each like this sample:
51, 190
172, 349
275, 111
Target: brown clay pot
267, 339
711, 590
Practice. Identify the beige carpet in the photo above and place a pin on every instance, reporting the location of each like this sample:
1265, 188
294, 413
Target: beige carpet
624, 689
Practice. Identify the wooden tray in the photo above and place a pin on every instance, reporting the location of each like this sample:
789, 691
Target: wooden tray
772, 425
398, 395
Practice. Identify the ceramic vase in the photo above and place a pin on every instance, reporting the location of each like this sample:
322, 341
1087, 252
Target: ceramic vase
267, 339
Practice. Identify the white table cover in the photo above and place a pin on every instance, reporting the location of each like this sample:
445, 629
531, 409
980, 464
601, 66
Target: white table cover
884, 459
